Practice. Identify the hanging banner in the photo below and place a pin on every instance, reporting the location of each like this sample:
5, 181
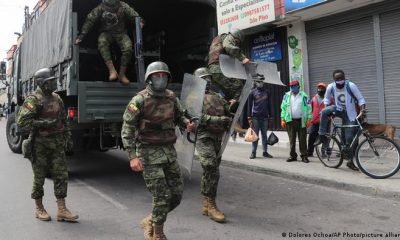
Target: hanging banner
295, 5
266, 47
243, 14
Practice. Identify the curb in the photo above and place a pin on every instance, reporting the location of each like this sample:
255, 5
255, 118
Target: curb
369, 191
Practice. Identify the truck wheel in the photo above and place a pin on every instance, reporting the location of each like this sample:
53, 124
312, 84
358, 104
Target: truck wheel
14, 141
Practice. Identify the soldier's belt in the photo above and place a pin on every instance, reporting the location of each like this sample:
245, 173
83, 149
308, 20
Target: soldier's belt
155, 126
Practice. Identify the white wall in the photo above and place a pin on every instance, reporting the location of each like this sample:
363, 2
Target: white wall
298, 60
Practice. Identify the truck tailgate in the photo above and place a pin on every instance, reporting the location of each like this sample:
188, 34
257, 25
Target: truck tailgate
103, 101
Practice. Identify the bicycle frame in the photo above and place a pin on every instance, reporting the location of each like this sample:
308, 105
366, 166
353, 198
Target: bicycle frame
360, 131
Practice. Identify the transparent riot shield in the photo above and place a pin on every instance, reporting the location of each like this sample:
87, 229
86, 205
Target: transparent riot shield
233, 68
192, 96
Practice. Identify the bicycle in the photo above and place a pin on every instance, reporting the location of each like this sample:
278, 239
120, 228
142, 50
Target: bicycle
376, 156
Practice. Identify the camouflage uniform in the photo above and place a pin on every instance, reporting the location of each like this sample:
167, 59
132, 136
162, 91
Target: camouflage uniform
46, 118
209, 138
231, 87
112, 33
148, 133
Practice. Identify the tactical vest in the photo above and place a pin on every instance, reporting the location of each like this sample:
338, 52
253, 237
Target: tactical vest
157, 125
213, 105
115, 24
216, 49
50, 108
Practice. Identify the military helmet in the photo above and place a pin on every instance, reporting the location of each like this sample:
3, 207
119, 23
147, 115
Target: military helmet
202, 72
237, 33
156, 67
43, 75
111, 5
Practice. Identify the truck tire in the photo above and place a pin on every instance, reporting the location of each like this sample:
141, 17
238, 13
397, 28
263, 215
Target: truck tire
14, 141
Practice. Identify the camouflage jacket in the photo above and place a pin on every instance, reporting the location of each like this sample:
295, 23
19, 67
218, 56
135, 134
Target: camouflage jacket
124, 13
131, 129
231, 48
44, 115
213, 105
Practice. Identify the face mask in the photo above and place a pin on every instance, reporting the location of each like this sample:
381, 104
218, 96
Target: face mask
259, 85
321, 92
340, 84
208, 80
294, 89
49, 87
159, 83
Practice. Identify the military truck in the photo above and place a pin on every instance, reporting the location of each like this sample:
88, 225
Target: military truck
174, 32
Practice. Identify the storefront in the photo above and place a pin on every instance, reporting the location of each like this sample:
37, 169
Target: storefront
365, 43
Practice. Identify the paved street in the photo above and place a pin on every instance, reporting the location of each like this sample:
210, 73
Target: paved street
111, 201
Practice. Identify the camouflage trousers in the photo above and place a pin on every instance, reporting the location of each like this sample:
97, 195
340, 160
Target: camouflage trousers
122, 40
49, 157
165, 183
231, 87
208, 149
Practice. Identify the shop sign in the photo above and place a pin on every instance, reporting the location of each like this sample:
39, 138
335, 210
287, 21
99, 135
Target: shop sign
243, 14
295, 5
266, 47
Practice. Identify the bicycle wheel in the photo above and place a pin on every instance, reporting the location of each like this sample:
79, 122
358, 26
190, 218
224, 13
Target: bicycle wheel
379, 157
330, 155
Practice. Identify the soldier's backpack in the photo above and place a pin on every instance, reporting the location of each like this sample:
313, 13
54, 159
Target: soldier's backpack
216, 49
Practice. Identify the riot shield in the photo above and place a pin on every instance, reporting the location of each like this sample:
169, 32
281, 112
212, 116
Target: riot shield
233, 68
192, 96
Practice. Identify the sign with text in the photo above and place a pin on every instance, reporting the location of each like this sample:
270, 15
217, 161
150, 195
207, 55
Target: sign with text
266, 47
243, 14
294, 5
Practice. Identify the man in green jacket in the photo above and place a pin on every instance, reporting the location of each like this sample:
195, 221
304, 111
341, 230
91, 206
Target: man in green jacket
296, 117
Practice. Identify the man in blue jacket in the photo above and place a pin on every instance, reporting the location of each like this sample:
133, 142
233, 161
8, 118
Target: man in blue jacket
260, 115
347, 97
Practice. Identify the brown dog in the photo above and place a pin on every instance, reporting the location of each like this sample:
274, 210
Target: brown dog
380, 129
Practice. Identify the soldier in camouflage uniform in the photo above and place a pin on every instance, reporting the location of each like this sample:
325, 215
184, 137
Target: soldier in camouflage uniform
227, 44
148, 135
43, 115
113, 15
214, 122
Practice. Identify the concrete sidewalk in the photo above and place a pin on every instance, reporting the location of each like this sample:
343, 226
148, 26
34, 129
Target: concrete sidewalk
237, 155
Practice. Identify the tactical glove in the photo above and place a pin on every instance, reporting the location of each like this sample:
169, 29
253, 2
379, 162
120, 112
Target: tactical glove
226, 121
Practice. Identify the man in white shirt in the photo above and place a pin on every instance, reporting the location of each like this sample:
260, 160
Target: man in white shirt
296, 117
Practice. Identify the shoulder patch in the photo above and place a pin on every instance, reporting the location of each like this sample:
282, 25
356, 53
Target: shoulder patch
29, 106
132, 108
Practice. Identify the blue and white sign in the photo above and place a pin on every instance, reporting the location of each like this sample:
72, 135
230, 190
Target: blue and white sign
294, 5
266, 47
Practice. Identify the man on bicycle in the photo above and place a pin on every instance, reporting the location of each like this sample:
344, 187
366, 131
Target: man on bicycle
348, 100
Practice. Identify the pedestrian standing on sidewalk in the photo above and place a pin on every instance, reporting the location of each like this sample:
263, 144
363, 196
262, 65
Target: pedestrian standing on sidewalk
317, 105
214, 122
296, 117
260, 115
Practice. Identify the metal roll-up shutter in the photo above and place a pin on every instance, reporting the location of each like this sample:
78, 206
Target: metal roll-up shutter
348, 46
390, 38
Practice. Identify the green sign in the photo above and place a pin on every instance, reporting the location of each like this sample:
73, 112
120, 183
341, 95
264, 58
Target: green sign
293, 42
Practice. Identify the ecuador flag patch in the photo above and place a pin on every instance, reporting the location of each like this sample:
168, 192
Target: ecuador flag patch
132, 108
